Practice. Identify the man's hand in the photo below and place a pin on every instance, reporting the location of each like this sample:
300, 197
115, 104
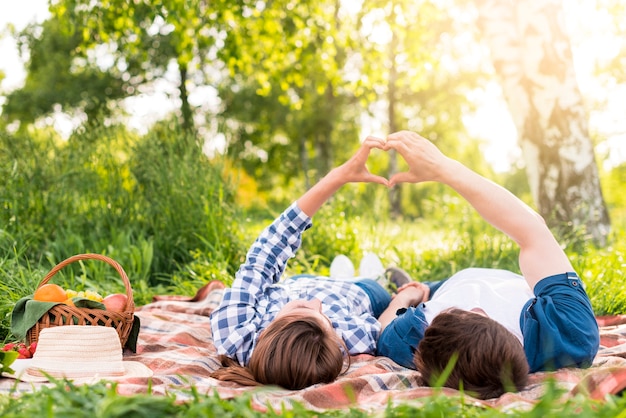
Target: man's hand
410, 294
426, 162
415, 288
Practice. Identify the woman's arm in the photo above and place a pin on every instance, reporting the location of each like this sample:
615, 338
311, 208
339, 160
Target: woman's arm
352, 171
236, 322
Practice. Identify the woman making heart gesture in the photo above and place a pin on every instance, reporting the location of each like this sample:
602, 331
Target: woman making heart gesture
297, 332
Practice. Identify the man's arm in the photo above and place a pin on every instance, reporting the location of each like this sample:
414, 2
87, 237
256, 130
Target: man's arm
410, 294
540, 254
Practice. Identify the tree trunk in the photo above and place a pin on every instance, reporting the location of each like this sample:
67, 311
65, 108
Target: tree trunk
304, 161
395, 193
188, 124
532, 56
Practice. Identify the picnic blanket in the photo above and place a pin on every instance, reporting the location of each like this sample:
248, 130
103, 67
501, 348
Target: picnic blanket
175, 342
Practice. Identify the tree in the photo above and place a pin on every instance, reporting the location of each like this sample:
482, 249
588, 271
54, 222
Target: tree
144, 38
531, 54
58, 75
417, 72
285, 97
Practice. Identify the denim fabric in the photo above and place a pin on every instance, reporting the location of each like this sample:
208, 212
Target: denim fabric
400, 338
379, 297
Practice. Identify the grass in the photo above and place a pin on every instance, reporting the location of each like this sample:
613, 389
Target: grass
100, 400
423, 248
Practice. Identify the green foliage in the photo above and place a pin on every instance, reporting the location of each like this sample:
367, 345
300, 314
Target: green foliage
148, 203
613, 190
603, 271
64, 399
332, 234
204, 266
185, 205
145, 38
17, 279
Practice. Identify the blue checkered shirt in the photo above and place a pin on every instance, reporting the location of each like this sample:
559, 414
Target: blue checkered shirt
256, 295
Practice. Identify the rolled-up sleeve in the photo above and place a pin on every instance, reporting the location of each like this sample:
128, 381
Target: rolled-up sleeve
559, 326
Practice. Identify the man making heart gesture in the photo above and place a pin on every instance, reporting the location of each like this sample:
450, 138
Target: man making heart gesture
493, 326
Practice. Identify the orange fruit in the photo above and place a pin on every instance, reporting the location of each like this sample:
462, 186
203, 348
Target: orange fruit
69, 302
50, 292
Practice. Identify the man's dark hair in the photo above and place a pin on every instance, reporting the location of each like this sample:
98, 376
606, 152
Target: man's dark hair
489, 359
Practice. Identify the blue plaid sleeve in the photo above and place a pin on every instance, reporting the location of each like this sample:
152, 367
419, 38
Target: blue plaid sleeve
359, 333
236, 323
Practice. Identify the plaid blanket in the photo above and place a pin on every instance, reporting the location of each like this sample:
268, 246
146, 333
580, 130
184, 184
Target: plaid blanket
175, 342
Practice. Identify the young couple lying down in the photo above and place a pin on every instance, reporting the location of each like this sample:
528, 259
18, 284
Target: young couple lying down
495, 325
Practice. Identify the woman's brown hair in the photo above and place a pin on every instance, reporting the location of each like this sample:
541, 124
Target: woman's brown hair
293, 352
489, 359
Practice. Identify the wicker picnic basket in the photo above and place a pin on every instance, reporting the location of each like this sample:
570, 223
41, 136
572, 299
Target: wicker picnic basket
63, 315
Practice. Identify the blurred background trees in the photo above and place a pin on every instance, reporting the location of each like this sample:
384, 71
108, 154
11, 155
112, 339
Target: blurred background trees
281, 91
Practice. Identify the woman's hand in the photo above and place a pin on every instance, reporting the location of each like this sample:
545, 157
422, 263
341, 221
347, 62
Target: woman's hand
352, 171
355, 170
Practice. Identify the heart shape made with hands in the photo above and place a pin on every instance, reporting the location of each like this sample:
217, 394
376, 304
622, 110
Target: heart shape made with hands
362, 157
424, 160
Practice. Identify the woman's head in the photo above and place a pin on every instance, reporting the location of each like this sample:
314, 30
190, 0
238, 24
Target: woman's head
297, 351
489, 359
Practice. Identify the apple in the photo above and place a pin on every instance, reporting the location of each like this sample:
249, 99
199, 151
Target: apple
115, 302
24, 353
9, 347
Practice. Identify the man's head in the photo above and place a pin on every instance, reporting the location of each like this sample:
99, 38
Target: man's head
489, 359
296, 351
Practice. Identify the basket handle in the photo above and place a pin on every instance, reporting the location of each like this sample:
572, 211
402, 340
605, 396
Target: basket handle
130, 303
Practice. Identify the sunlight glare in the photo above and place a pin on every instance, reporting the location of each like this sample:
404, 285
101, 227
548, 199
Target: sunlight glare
375, 28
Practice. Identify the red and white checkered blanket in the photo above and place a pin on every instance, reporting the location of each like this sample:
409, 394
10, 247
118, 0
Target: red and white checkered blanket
175, 342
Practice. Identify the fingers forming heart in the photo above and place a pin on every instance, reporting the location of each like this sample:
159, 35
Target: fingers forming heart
384, 145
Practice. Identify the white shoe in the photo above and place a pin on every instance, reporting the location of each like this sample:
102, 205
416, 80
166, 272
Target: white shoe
371, 267
341, 268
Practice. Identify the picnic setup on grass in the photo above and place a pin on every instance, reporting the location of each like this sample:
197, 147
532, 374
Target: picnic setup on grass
166, 347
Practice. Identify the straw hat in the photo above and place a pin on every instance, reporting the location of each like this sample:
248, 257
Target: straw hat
78, 352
